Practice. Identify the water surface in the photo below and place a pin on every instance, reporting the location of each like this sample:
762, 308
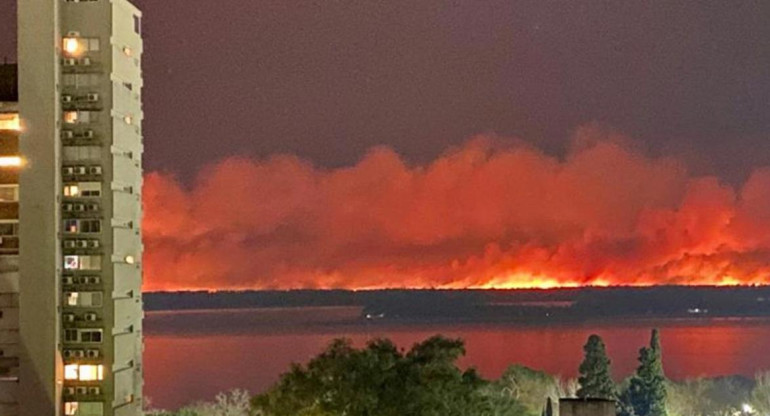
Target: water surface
195, 354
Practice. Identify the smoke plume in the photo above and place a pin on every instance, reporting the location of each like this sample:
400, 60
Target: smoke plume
492, 213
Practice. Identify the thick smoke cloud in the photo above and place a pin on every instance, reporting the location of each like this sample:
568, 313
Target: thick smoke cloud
492, 213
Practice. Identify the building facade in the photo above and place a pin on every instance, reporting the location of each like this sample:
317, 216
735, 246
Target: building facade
9, 241
79, 208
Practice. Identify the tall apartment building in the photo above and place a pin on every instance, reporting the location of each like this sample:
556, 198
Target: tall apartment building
78, 268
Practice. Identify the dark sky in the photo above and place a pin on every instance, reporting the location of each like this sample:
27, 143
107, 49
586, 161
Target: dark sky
326, 80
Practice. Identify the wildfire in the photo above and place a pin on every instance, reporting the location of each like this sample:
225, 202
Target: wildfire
489, 215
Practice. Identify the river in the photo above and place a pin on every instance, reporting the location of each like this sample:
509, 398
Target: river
193, 355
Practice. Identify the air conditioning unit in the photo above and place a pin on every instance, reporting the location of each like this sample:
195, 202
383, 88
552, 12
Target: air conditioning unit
68, 170
93, 97
73, 34
79, 207
93, 353
81, 390
94, 280
67, 134
66, 207
95, 170
90, 317
93, 244
85, 61
78, 354
69, 391
70, 244
70, 62
94, 391
69, 280
68, 317
66, 98
82, 243
92, 207
88, 134
80, 170
67, 354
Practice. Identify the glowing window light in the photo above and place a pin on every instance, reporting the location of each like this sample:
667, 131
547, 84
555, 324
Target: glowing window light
72, 190
71, 408
71, 372
70, 117
71, 46
84, 372
10, 161
10, 121
91, 372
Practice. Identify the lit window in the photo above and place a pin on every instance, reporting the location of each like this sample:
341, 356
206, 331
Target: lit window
83, 372
70, 117
10, 161
71, 190
9, 121
91, 372
70, 226
82, 262
70, 408
85, 299
83, 408
9, 193
71, 262
71, 372
72, 46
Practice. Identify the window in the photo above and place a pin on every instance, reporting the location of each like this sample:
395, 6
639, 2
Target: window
75, 46
82, 226
9, 193
83, 372
82, 262
9, 229
84, 299
83, 189
90, 226
9, 161
83, 408
71, 335
75, 117
9, 121
91, 335
71, 190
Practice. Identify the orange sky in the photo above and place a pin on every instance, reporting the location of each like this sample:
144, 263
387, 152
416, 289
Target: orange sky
493, 213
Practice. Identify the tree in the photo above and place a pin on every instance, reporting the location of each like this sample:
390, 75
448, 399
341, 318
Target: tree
528, 388
379, 380
595, 380
646, 392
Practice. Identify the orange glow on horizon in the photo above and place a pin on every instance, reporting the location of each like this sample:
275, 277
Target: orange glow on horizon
487, 215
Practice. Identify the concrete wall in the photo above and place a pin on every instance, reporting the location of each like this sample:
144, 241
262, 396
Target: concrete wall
40, 189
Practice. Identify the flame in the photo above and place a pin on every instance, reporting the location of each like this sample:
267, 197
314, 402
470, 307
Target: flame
491, 214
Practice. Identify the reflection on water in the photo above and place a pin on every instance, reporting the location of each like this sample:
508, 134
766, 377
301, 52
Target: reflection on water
193, 355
